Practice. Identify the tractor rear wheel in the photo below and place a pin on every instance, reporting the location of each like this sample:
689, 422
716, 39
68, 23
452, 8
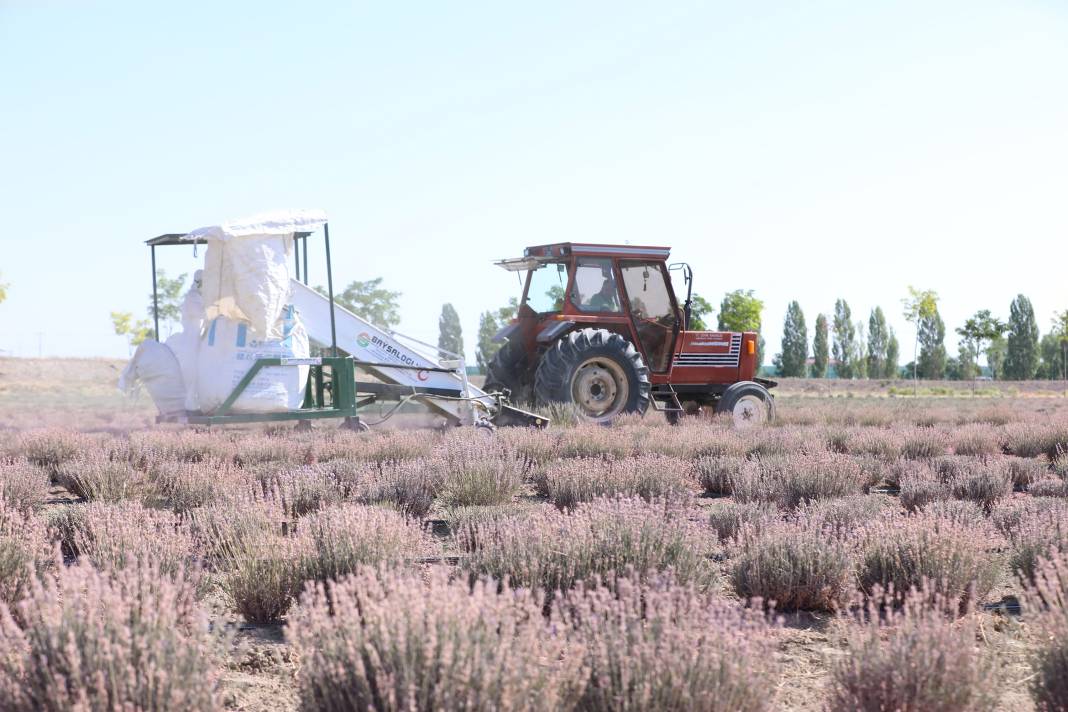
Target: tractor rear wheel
506, 372
747, 404
598, 371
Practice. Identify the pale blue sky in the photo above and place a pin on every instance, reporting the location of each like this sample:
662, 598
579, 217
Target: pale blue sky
805, 150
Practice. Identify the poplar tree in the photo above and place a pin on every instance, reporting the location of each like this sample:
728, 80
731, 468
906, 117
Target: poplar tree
893, 355
450, 335
820, 348
878, 342
487, 349
845, 335
932, 337
794, 342
1021, 357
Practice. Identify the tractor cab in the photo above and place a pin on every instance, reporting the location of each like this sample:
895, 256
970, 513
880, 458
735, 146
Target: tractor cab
615, 305
624, 289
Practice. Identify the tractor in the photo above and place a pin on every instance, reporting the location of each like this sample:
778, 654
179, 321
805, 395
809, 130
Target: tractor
599, 326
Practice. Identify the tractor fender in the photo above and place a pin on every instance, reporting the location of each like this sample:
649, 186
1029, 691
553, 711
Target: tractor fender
505, 333
554, 331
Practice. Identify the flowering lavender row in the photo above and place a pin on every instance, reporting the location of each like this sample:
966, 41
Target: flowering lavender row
633, 567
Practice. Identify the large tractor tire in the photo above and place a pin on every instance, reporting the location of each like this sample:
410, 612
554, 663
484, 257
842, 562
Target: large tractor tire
600, 372
506, 372
747, 404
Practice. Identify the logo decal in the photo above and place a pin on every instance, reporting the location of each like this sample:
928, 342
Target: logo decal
422, 375
363, 340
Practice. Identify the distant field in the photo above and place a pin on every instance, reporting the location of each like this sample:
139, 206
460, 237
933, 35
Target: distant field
644, 549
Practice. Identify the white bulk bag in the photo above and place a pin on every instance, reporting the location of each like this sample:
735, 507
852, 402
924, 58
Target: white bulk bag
247, 267
154, 365
227, 351
248, 280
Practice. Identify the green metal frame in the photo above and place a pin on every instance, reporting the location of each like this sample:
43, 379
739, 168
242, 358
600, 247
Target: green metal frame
340, 404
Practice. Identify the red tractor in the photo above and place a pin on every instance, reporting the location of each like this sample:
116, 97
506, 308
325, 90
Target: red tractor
599, 326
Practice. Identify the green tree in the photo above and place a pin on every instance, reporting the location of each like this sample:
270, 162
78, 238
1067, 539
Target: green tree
958, 368
965, 367
169, 294
821, 352
996, 351
859, 359
920, 304
487, 349
1058, 358
3, 291
878, 341
978, 330
845, 334
932, 337
1049, 364
740, 311
794, 342
371, 301
135, 331
699, 308
450, 334
1021, 357
891, 369
506, 313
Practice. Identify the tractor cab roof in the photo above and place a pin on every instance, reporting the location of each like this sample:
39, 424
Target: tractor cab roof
533, 256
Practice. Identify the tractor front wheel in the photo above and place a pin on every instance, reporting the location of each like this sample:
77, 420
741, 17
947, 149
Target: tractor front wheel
747, 404
598, 371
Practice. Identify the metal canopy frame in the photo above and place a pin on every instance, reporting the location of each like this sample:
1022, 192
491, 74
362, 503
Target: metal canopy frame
299, 239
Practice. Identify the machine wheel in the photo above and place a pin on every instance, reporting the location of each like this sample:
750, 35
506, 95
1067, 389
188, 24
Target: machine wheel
599, 371
506, 372
355, 425
747, 404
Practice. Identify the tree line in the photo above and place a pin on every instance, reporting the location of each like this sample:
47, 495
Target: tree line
1014, 349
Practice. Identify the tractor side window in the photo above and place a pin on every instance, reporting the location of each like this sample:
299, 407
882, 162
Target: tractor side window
595, 289
648, 293
545, 288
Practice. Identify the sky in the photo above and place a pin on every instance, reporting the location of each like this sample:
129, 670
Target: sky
807, 151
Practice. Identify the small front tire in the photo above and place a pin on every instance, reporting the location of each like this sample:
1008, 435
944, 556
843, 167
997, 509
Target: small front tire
747, 404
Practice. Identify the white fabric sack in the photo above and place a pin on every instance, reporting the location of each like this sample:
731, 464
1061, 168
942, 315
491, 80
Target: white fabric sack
248, 280
247, 267
227, 351
155, 366
186, 343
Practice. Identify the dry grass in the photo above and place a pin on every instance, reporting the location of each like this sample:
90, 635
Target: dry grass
913, 658
628, 641
956, 560
23, 485
798, 565
87, 640
390, 641
554, 551
1047, 598
568, 483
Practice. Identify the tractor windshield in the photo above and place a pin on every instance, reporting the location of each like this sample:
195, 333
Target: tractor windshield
546, 286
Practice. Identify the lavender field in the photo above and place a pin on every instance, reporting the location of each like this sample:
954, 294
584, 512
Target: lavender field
869, 551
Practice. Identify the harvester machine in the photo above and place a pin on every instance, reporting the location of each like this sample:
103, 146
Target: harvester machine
401, 368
